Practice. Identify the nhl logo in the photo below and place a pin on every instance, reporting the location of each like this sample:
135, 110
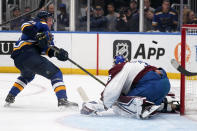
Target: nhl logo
122, 47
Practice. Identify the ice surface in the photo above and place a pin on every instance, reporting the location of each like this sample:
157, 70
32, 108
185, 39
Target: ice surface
36, 109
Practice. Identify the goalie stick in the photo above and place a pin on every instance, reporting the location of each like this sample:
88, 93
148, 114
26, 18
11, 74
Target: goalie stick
177, 66
41, 4
82, 94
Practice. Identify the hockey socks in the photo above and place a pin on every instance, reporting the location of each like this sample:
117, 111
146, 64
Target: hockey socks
58, 85
18, 86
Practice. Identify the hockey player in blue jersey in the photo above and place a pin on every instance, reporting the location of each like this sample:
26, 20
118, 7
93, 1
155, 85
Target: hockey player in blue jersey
133, 89
36, 39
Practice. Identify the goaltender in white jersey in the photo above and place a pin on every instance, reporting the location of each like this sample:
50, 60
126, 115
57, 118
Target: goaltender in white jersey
133, 89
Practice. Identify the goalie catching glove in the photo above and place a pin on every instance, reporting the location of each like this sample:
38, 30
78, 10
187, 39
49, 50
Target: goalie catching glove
92, 108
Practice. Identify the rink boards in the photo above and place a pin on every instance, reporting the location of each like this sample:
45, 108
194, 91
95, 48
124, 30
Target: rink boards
95, 51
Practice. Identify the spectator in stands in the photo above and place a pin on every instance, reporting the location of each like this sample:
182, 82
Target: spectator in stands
83, 20
148, 20
16, 24
43, 8
62, 18
147, 6
51, 9
50, 22
122, 20
111, 18
28, 17
133, 6
128, 20
134, 20
189, 17
165, 18
99, 21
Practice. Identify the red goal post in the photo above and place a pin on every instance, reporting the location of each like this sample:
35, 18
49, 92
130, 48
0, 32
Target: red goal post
184, 34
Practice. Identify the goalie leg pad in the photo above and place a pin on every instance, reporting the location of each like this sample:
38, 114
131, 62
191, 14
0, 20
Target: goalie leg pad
130, 105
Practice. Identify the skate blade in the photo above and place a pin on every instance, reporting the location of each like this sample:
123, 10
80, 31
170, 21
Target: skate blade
7, 104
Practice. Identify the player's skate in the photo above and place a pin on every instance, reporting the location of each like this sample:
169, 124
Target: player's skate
9, 100
63, 104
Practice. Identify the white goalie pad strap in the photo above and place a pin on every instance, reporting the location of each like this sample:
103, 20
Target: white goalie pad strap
58, 84
21, 83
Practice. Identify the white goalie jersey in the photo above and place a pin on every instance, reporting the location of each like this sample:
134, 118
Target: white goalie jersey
121, 82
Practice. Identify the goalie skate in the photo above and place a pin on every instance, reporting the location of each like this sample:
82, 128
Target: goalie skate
64, 104
149, 110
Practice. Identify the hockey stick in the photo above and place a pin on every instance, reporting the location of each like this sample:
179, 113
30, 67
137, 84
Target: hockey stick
177, 66
86, 71
82, 94
57, 50
41, 4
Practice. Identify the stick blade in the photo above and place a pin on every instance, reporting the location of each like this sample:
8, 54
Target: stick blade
82, 94
175, 64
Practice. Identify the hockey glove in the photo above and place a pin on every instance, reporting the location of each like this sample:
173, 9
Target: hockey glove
92, 108
61, 55
42, 40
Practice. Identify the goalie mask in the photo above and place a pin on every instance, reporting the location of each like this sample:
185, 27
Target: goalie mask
119, 59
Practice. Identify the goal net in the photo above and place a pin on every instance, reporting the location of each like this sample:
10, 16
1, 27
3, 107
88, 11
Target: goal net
188, 93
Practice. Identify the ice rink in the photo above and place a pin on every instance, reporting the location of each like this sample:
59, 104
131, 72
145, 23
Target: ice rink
35, 109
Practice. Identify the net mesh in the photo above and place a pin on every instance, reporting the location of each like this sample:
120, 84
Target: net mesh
191, 65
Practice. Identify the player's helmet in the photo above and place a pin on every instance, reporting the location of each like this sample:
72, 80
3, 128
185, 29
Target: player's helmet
119, 59
43, 15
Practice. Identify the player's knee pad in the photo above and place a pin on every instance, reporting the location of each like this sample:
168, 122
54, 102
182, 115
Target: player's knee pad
29, 79
57, 80
57, 77
46, 68
26, 79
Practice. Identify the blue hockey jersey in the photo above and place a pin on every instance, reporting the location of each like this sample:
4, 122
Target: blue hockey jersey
28, 38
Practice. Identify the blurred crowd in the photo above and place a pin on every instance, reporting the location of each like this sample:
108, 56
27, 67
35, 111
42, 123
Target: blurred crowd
112, 19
